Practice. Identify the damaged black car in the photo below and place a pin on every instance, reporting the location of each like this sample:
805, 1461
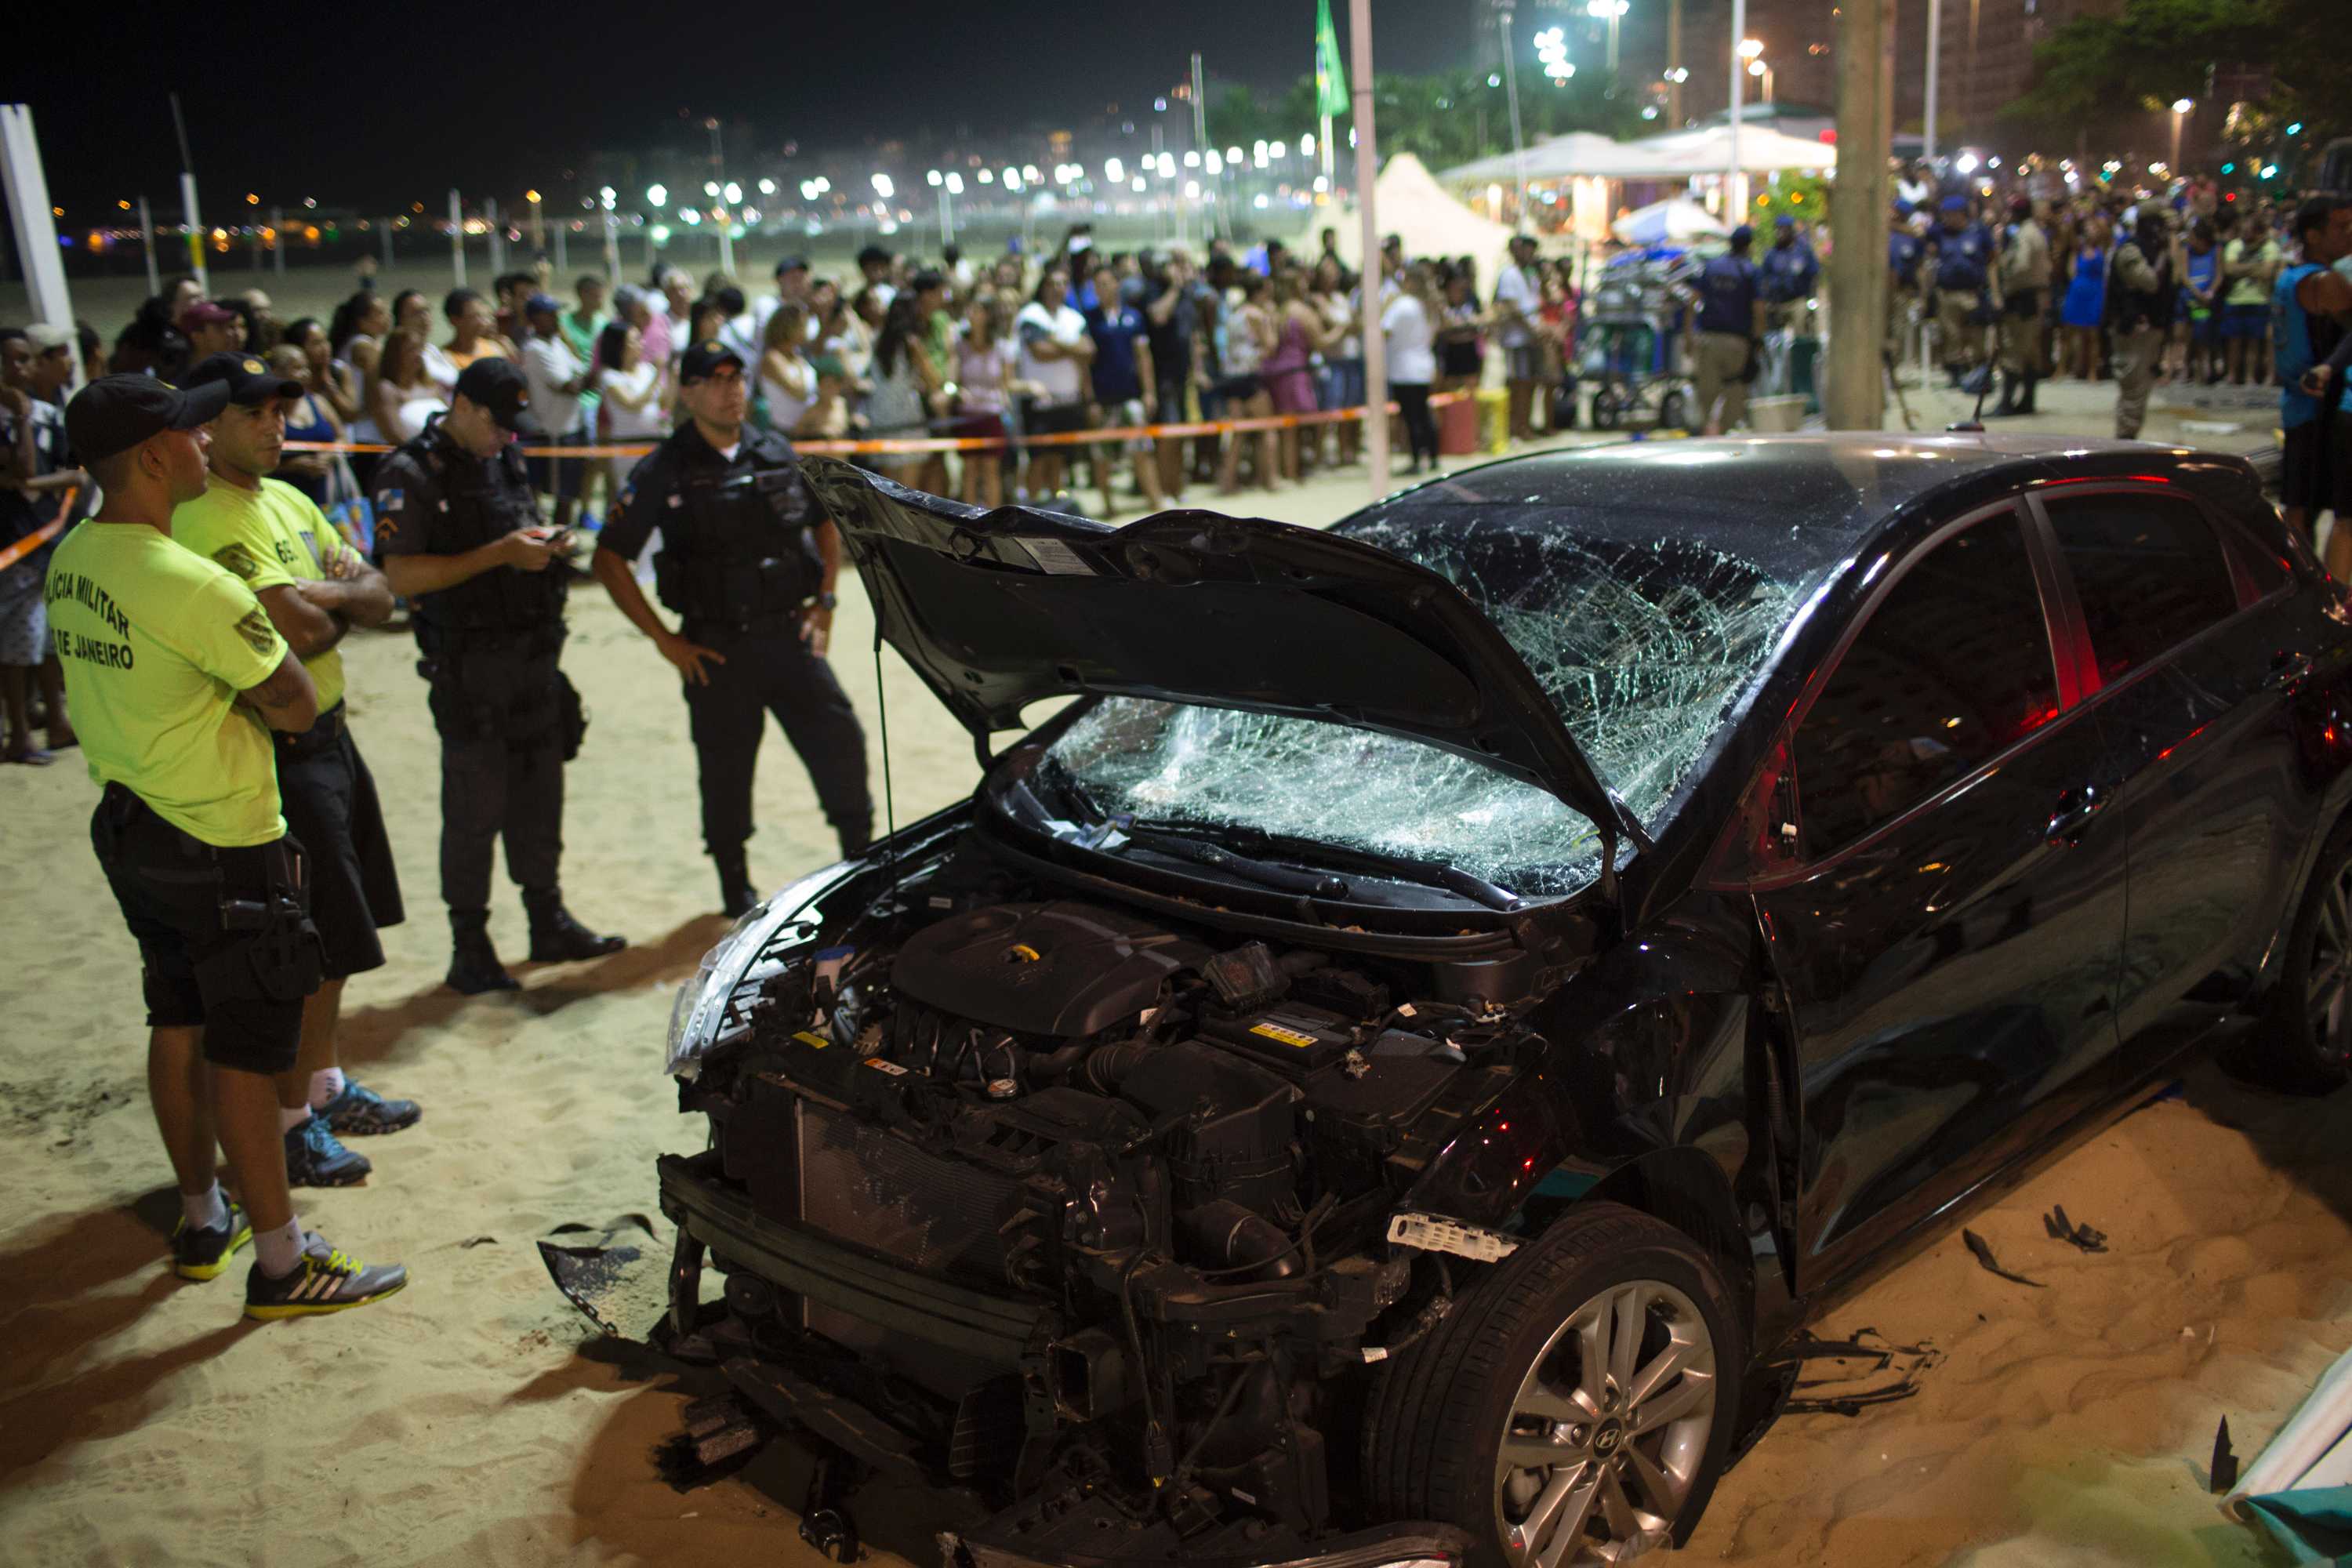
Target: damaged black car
1382, 1076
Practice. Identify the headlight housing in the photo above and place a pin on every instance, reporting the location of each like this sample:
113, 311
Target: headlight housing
696, 1016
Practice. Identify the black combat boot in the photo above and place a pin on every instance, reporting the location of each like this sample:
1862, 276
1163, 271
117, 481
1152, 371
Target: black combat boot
2025, 399
474, 966
2007, 404
736, 897
556, 937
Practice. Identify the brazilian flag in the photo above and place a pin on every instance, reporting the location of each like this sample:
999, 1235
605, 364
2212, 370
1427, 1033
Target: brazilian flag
1330, 76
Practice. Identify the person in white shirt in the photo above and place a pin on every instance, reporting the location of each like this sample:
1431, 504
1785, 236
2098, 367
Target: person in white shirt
1411, 360
787, 379
553, 417
1518, 304
1054, 353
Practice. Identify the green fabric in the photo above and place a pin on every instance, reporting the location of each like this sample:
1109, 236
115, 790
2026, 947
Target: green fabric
270, 538
2314, 1523
156, 643
1330, 76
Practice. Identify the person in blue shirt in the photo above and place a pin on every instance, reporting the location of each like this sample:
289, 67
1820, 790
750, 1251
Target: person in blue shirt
1790, 273
1958, 283
1126, 390
1728, 295
1903, 249
2310, 304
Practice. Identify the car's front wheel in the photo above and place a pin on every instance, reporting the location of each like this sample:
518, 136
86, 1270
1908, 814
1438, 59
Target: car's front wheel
1575, 1407
2303, 1043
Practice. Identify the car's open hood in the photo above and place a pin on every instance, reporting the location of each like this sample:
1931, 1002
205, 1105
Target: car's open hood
999, 609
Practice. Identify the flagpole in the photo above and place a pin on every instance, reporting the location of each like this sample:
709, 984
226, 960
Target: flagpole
1368, 165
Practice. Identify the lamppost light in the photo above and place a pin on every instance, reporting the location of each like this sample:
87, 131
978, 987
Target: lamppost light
1751, 48
656, 196
2183, 105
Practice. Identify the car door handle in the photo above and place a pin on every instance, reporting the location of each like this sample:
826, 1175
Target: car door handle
2289, 671
2072, 815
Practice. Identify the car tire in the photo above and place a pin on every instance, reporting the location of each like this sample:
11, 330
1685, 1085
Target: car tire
1604, 410
1436, 1423
2302, 1044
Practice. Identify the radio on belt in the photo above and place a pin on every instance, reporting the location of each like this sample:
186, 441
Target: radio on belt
1292, 1038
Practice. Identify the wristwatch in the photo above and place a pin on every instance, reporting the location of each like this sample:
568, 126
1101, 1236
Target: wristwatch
826, 602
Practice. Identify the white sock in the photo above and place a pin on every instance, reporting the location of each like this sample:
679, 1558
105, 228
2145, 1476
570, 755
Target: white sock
289, 1120
325, 1084
207, 1211
279, 1249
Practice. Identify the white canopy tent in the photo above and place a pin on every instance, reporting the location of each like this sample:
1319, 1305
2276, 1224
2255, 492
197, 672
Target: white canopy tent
1676, 155
1671, 222
1411, 204
1554, 158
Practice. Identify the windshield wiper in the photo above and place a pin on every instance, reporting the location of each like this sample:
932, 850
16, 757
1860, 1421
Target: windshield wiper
1394, 867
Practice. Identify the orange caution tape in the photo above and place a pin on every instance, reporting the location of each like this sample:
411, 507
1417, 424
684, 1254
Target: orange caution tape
841, 448
41, 535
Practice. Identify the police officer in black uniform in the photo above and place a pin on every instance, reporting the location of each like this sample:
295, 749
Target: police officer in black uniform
459, 534
749, 567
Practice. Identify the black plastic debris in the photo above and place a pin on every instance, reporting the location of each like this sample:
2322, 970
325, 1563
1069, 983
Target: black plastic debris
1835, 1376
2225, 1461
2061, 1229
1977, 1244
613, 1273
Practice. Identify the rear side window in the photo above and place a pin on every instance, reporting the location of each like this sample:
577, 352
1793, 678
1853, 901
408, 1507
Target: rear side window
2149, 570
1952, 666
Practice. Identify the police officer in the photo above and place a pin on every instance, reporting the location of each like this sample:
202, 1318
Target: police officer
1790, 273
1958, 283
1730, 322
748, 568
459, 534
314, 588
2024, 275
1903, 249
177, 679
2140, 302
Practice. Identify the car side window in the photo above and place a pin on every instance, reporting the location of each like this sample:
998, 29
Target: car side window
2149, 571
1952, 666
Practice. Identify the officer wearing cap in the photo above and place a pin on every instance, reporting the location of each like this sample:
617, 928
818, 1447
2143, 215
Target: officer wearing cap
314, 588
748, 568
177, 677
1790, 273
1730, 321
1956, 283
2024, 272
459, 534
1904, 251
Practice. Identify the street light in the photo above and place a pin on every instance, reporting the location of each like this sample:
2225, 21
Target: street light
883, 186
733, 192
656, 196
767, 188
1612, 10
2180, 108
1757, 68
1750, 48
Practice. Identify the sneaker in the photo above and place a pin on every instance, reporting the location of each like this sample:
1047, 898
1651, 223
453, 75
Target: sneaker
315, 1157
326, 1279
202, 1254
360, 1110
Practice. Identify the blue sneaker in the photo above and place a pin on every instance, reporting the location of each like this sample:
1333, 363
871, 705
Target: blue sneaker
361, 1111
315, 1157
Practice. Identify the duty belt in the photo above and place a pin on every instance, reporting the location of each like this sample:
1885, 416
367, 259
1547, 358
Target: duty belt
322, 736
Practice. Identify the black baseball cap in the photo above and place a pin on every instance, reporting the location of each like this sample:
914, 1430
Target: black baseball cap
497, 386
116, 413
791, 264
250, 383
704, 358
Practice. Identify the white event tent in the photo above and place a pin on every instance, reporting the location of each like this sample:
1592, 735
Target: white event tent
1411, 204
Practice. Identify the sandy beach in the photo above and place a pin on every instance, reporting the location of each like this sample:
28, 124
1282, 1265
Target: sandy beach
475, 1419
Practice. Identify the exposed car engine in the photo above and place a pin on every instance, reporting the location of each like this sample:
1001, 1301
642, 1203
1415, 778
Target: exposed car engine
1144, 1176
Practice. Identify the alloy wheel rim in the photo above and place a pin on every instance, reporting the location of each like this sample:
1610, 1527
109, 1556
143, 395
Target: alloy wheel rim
1605, 1437
2328, 986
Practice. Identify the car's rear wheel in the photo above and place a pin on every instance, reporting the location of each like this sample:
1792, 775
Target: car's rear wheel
1575, 1407
2303, 1043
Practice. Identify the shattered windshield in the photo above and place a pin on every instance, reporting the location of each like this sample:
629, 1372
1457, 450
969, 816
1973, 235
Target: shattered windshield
1642, 645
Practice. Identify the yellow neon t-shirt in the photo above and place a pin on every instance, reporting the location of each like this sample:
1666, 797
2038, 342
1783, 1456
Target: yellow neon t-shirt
267, 538
156, 643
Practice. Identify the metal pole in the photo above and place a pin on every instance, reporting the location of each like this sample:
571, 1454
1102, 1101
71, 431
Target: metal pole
1209, 224
188, 202
1368, 164
1734, 189
1674, 64
28, 192
612, 247
1518, 145
457, 238
256, 244
498, 235
387, 244
725, 208
278, 225
1935, 73
1613, 18
1855, 393
147, 248
562, 266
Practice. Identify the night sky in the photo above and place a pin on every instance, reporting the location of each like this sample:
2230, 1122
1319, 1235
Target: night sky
383, 104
